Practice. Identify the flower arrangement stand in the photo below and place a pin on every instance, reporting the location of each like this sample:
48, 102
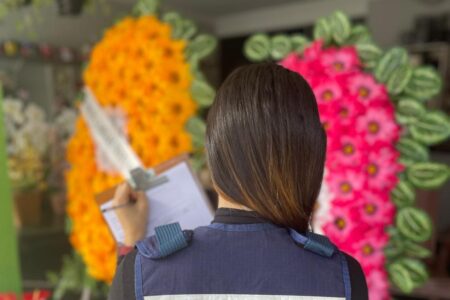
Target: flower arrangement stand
9, 263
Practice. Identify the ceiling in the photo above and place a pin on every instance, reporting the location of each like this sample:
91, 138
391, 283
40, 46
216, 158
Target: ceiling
214, 8
218, 8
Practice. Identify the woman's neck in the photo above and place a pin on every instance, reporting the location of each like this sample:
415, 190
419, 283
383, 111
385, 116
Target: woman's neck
224, 203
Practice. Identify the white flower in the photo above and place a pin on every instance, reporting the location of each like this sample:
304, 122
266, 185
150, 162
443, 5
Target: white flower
34, 113
65, 122
13, 110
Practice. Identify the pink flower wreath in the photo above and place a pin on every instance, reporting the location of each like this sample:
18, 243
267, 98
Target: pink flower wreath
362, 162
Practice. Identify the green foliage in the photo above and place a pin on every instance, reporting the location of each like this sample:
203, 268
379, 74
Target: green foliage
400, 277
411, 151
322, 30
359, 35
340, 27
399, 79
9, 260
403, 194
74, 278
389, 62
369, 54
280, 46
407, 273
414, 250
176, 23
202, 92
201, 46
299, 42
257, 47
409, 111
431, 128
428, 175
414, 224
146, 7
424, 84
197, 128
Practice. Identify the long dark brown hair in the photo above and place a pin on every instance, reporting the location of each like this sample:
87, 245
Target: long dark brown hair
265, 143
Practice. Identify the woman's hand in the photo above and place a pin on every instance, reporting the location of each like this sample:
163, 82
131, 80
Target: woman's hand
133, 217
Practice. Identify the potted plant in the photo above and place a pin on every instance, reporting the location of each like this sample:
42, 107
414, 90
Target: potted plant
26, 132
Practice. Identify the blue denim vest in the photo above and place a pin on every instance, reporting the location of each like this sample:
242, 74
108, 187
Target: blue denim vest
237, 262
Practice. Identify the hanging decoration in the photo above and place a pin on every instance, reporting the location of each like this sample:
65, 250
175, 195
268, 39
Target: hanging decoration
43, 51
144, 72
371, 104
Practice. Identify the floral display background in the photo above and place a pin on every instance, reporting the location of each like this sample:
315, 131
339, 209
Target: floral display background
372, 107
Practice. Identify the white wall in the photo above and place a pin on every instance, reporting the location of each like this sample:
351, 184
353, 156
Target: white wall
285, 16
389, 19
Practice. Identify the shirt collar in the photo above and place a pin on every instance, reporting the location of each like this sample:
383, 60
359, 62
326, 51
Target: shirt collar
237, 216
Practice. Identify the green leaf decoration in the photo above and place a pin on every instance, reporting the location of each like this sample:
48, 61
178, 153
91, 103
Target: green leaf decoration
390, 61
189, 29
412, 151
359, 34
322, 30
417, 270
431, 128
369, 54
340, 27
414, 250
399, 79
403, 194
146, 7
424, 84
280, 46
400, 277
201, 46
396, 244
176, 23
198, 161
202, 93
414, 224
197, 128
409, 111
428, 175
407, 274
257, 47
299, 42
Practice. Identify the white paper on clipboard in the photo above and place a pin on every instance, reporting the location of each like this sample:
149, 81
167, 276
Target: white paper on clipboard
181, 199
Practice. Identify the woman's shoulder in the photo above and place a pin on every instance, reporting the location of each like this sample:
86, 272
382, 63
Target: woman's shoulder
357, 279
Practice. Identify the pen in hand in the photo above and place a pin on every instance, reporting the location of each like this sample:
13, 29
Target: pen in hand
131, 201
131, 209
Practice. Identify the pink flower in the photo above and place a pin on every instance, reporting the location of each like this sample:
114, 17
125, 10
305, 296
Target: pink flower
377, 284
345, 184
382, 168
341, 60
313, 51
374, 209
346, 109
366, 89
369, 250
292, 62
341, 226
326, 91
378, 125
346, 149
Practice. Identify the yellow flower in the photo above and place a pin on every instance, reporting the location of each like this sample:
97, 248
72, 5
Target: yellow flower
138, 68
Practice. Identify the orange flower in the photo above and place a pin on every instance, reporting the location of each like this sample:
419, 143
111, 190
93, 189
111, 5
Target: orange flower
138, 68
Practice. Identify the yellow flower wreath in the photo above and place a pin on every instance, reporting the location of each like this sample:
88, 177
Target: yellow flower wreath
140, 69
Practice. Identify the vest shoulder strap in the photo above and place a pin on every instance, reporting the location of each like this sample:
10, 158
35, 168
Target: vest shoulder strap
313, 242
168, 239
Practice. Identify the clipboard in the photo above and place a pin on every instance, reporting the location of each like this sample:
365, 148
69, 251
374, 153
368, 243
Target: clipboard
181, 199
